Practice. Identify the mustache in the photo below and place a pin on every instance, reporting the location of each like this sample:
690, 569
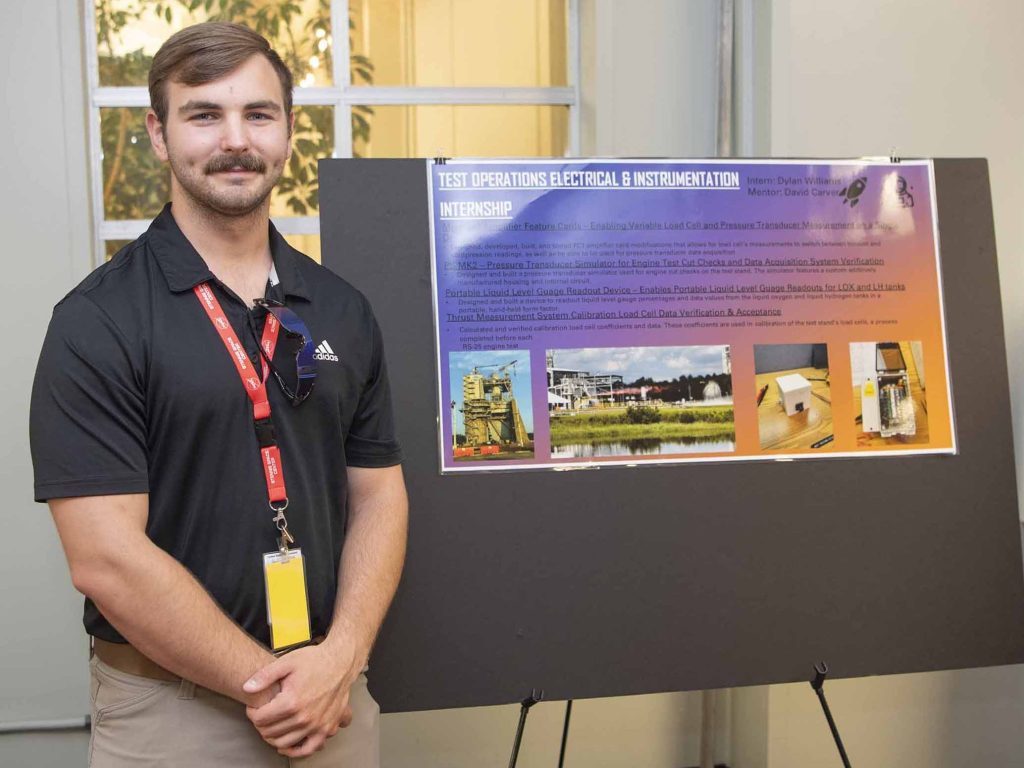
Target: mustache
235, 163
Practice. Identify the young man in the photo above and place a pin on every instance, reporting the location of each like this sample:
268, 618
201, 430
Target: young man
185, 454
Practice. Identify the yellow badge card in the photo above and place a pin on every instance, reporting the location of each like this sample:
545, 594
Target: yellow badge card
287, 605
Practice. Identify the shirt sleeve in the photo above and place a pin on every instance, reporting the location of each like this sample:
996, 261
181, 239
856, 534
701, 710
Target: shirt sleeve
371, 440
87, 425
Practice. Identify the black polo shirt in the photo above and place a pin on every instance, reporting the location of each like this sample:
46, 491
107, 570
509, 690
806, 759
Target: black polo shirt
135, 393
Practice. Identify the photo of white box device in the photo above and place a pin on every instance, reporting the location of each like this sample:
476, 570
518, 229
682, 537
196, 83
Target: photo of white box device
794, 393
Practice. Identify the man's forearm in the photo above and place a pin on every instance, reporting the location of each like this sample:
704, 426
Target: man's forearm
160, 608
372, 558
150, 598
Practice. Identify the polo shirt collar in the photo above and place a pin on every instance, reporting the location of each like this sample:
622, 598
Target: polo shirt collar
184, 268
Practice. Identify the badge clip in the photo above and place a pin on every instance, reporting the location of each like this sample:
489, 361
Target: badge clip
285, 539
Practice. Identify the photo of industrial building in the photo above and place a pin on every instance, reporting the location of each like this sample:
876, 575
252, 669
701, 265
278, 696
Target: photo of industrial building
491, 408
640, 401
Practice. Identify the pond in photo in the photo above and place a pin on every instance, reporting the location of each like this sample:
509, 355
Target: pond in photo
644, 447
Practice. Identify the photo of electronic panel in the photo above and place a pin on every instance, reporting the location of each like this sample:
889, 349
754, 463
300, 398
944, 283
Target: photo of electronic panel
889, 394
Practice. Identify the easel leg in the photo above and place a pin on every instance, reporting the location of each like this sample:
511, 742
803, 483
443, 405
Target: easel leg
565, 733
818, 684
524, 710
707, 729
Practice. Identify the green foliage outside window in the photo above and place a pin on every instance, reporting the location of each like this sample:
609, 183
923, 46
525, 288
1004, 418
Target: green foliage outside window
135, 183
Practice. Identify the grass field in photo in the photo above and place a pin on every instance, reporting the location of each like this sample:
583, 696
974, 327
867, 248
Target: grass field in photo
642, 422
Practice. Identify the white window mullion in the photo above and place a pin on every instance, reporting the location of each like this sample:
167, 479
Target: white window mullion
92, 66
96, 161
406, 95
312, 97
123, 229
129, 229
343, 129
111, 97
137, 96
297, 225
573, 64
342, 78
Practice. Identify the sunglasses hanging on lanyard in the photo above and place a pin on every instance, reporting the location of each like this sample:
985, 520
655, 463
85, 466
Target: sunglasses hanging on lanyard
301, 339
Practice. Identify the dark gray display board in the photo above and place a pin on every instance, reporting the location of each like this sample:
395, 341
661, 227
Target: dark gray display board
617, 581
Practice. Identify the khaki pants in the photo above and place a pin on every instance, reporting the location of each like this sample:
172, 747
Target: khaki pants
140, 722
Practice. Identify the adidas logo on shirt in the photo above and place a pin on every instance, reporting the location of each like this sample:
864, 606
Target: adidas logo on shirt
324, 352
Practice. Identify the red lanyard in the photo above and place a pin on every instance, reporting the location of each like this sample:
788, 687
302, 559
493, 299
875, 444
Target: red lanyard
255, 387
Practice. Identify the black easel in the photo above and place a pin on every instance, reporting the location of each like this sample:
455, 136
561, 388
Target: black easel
524, 710
565, 733
818, 684
529, 701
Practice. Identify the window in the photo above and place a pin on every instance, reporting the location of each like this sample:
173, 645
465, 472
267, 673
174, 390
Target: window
424, 78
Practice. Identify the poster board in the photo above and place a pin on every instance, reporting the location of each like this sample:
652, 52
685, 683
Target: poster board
682, 577
600, 312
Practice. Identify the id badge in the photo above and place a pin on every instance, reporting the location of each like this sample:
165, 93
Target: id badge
284, 573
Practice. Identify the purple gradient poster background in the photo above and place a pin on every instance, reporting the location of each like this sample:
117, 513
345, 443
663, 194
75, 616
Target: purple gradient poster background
591, 312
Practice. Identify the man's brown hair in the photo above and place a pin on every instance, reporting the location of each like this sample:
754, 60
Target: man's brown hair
206, 52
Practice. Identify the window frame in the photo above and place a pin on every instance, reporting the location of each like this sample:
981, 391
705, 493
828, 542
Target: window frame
342, 96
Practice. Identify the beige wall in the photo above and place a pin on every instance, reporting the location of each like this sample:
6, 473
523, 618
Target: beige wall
659, 731
648, 77
44, 214
923, 78
929, 720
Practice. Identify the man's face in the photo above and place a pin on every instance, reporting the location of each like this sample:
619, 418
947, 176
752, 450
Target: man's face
226, 141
